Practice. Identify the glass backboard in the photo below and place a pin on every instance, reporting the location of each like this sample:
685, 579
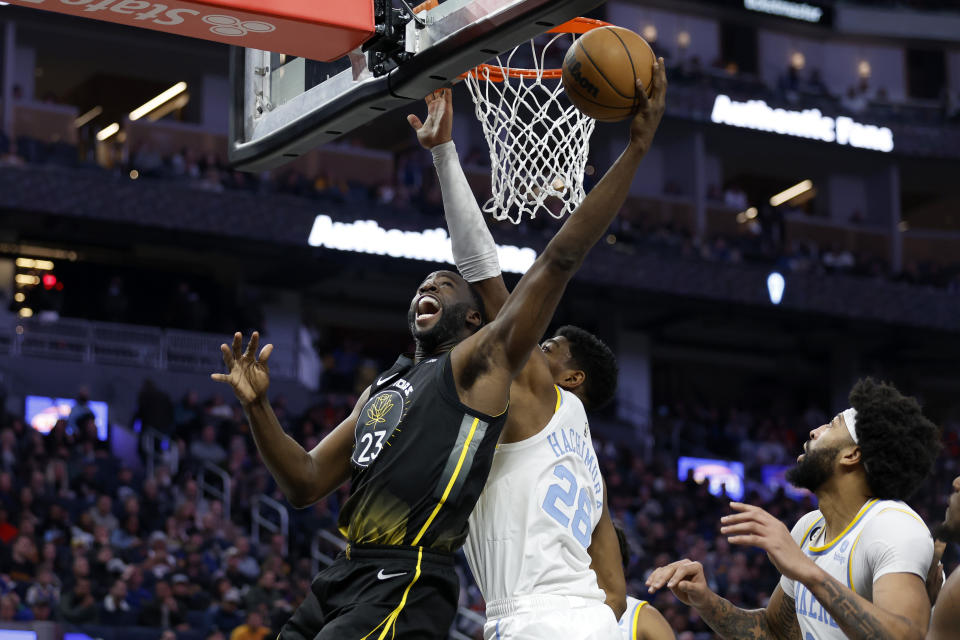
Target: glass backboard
284, 106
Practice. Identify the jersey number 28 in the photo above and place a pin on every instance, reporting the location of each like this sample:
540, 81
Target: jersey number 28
566, 493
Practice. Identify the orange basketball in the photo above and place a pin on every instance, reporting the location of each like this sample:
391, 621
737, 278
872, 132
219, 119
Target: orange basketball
599, 71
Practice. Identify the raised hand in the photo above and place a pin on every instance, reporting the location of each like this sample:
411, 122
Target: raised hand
685, 579
645, 123
247, 373
438, 127
752, 526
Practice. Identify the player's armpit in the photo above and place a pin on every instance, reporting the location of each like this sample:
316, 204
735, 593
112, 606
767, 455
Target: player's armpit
606, 562
945, 620
331, 457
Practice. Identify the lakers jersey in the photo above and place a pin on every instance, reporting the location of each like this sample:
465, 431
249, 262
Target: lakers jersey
533, 523
885, 537
420, 459
630, 620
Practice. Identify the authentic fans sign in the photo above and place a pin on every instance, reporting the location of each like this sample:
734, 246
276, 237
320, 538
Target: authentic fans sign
307, 28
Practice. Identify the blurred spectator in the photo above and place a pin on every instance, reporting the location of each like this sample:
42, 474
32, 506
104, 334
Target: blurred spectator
252, 629
154, 408
206, 448
163, 611
226, 615
78, 606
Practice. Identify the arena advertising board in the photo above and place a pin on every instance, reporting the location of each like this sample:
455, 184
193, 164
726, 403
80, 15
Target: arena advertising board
809, 123
719, 474
432, 245
43, 412
316, 30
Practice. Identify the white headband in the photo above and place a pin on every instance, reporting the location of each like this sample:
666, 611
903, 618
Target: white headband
850, 419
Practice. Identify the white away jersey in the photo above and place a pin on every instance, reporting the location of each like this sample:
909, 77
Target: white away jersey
531, 528
629, 621
885, 537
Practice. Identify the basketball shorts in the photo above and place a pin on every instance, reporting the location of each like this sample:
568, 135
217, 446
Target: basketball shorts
374, 592
550, 618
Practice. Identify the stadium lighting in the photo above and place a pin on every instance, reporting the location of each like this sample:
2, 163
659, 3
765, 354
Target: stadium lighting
108, 131
433, 245
88, 116
153, 103
789, 194
775, 287
27, 279
26, 312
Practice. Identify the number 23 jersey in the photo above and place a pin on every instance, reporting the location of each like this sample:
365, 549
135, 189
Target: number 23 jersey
420, 459
531, 528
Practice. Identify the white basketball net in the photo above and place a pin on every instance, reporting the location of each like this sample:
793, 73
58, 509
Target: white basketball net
538, 140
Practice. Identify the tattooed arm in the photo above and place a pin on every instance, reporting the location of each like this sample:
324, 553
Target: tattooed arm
685, 578
900, 609
778, 620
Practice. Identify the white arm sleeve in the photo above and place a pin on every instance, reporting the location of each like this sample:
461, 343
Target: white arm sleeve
474, 250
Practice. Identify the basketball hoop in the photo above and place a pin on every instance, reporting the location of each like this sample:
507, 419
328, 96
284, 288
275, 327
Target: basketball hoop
538, 141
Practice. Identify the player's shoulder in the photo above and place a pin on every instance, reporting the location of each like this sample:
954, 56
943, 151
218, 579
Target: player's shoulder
888, 512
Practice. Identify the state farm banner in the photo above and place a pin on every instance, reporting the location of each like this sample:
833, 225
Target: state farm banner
319, 30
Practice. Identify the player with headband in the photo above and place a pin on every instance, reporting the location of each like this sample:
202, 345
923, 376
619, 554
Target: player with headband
855, 568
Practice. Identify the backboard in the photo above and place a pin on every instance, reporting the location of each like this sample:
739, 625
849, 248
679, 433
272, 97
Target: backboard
284, 106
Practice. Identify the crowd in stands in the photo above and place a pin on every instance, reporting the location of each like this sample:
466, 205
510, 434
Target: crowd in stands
104, 546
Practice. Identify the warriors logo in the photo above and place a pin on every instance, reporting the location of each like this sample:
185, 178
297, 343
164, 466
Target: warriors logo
379, 418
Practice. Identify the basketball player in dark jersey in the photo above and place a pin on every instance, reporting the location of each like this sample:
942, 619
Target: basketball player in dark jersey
418, 445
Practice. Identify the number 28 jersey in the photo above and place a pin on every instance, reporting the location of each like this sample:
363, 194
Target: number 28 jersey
420, 459
534, 521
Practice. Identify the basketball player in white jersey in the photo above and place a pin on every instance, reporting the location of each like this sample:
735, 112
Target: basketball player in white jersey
641, 621
541, 546
945, 620
856, 567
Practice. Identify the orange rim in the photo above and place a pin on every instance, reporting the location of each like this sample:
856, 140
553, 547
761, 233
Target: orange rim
494, 73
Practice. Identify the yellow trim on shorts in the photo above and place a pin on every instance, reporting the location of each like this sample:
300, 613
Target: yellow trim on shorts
636, 620
390, 622
559, 399
853, 522
453, 479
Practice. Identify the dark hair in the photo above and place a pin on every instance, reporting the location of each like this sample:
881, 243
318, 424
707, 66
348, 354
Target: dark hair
898, 444
590, 354
624, 546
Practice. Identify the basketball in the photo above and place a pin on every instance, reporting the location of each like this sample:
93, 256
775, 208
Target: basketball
599, 71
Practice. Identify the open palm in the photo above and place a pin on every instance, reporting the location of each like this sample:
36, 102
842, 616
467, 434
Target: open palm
247, 373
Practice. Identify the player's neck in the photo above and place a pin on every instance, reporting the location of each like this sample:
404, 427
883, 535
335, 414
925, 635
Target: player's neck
840, 502
432, 351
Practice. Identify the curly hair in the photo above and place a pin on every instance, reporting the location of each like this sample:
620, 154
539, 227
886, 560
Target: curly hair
590, 354
898, 444
624, 546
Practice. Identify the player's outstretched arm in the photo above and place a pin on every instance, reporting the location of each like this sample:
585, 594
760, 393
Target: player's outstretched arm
509, 339
474, 250
304, 477
686, 580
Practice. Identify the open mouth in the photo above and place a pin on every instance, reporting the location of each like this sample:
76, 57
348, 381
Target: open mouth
428, 308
